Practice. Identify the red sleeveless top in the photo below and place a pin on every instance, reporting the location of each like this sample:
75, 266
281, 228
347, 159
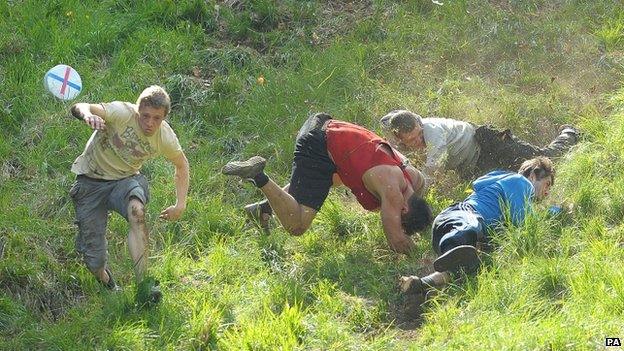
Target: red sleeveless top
355, 150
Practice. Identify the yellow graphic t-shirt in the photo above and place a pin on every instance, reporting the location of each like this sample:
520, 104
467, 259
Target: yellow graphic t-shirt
120, 150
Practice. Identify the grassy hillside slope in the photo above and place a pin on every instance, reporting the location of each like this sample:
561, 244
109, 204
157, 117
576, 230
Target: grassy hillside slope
243, 77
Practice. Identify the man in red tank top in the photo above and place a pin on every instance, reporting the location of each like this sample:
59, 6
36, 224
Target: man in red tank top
376, 174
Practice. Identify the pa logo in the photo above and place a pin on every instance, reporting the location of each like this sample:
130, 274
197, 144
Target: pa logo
613, 342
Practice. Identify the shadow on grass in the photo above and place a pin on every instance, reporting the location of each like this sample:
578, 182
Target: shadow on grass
369, 274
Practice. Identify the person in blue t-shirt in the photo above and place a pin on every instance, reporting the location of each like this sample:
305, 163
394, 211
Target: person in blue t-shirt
497, 196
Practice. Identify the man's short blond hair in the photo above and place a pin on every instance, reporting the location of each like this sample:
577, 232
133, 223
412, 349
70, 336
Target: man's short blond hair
156, 97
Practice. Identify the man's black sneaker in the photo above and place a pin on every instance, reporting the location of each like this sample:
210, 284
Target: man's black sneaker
110, 285
461, 257
258, 214
245, 169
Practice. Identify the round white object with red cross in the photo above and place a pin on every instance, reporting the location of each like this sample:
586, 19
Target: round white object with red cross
63, 82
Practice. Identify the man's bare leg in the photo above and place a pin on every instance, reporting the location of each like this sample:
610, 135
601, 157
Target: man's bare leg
261, 212
101, 275
295, 218
138, 238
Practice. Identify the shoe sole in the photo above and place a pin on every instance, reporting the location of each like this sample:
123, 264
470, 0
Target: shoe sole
464, 256
245, 169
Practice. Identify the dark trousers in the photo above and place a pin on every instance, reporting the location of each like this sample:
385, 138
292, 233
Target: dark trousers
503, 150
459, 224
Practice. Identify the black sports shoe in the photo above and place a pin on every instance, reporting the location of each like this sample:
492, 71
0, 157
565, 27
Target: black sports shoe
148, 292
258, 213
245, 169
460, 257
110, 285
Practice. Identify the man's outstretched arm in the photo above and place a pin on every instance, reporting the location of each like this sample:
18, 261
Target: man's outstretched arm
181, 179
391, 222
92, 114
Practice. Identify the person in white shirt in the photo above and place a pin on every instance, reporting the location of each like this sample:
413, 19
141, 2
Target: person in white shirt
464, 147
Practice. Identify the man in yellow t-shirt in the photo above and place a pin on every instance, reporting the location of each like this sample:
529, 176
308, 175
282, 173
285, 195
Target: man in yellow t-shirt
125, 136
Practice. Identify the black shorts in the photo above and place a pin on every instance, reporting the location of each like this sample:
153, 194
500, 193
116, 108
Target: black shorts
312, 169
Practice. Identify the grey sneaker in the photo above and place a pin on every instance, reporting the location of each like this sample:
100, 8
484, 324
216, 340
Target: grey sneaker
256, 212
245, 169
463, 256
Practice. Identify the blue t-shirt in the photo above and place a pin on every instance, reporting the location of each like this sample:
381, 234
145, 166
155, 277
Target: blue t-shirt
497, 189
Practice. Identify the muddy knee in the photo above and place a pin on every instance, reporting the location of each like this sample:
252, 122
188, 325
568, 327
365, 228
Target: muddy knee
136, 212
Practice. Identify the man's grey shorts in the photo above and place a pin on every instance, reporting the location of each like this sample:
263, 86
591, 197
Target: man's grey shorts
93, 199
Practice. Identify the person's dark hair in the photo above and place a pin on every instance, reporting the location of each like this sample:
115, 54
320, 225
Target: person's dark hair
418, 216
322, 115
541, 166
401, 121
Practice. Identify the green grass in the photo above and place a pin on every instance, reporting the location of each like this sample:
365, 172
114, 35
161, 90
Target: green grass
525, 65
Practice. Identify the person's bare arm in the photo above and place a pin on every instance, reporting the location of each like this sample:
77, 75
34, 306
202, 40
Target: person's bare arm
181, 178
92, 114
336, 180
385, 182
418, 180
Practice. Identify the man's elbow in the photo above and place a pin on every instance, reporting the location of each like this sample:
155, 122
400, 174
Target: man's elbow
296, 231
182, 165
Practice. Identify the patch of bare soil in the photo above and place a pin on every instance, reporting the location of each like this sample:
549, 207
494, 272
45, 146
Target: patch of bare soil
337, 17
407, 311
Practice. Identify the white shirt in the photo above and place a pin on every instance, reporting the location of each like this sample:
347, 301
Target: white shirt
449, 143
